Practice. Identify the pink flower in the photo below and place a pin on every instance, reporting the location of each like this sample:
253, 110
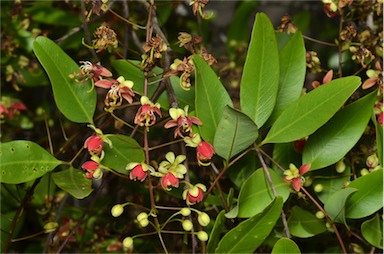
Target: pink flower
94, 144
145, 116
181, 119
10, 107
169, 180
204, 153
138, 171
295, 176
119, 89
90, 167
194, 194
91, 71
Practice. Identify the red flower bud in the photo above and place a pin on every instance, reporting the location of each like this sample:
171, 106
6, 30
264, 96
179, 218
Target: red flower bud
194, 194
90, 167
94, 144
204, 151
169, 180
138, 173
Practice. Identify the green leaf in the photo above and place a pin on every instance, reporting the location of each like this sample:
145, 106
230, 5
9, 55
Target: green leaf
130, 70
260, 80
304, 224
47, 14
330, 180
372, 231
210, 98
285, 245
73, 99
251, 233
256, 194
237, 32
22, 161
235, 132
379, 138
332, 142
242, 169
72, 180
304, 116
292, 74
335, 205
369, 198
124, 150
215, 235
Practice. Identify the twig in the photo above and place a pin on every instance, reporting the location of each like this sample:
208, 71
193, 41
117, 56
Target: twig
224, 170
340, 44
267, 174
327, 217
17, 216
86, 30
318, 41
126, 28
89, 207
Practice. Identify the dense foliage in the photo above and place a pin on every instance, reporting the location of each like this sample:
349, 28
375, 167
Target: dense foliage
191, 127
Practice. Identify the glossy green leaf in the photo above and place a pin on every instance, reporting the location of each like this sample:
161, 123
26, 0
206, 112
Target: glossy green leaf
124, 150
335, 205
256, 194
242, 169
330, 180
379, 138
74, 100
22, 161
333, 141
215, 235
260, 80
304, 224
307, 114
372, 231
73, 181
235, 132
210, 98
130, 70
285, 246
251, 233
47, 14
369, 198
292, 74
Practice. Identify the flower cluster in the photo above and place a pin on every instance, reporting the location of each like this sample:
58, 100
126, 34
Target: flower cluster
153, 51
294, 175
146, 116
10, 107
118, 89
105, 39
95, 146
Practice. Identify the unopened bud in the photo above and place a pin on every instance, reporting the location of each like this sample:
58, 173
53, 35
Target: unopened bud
318, 188
320, 215
185, 211
50, 227
142, 218
203, 219
372, 161
117, 210
202, 235
187, 225
364, 172
128, 242
340, 166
